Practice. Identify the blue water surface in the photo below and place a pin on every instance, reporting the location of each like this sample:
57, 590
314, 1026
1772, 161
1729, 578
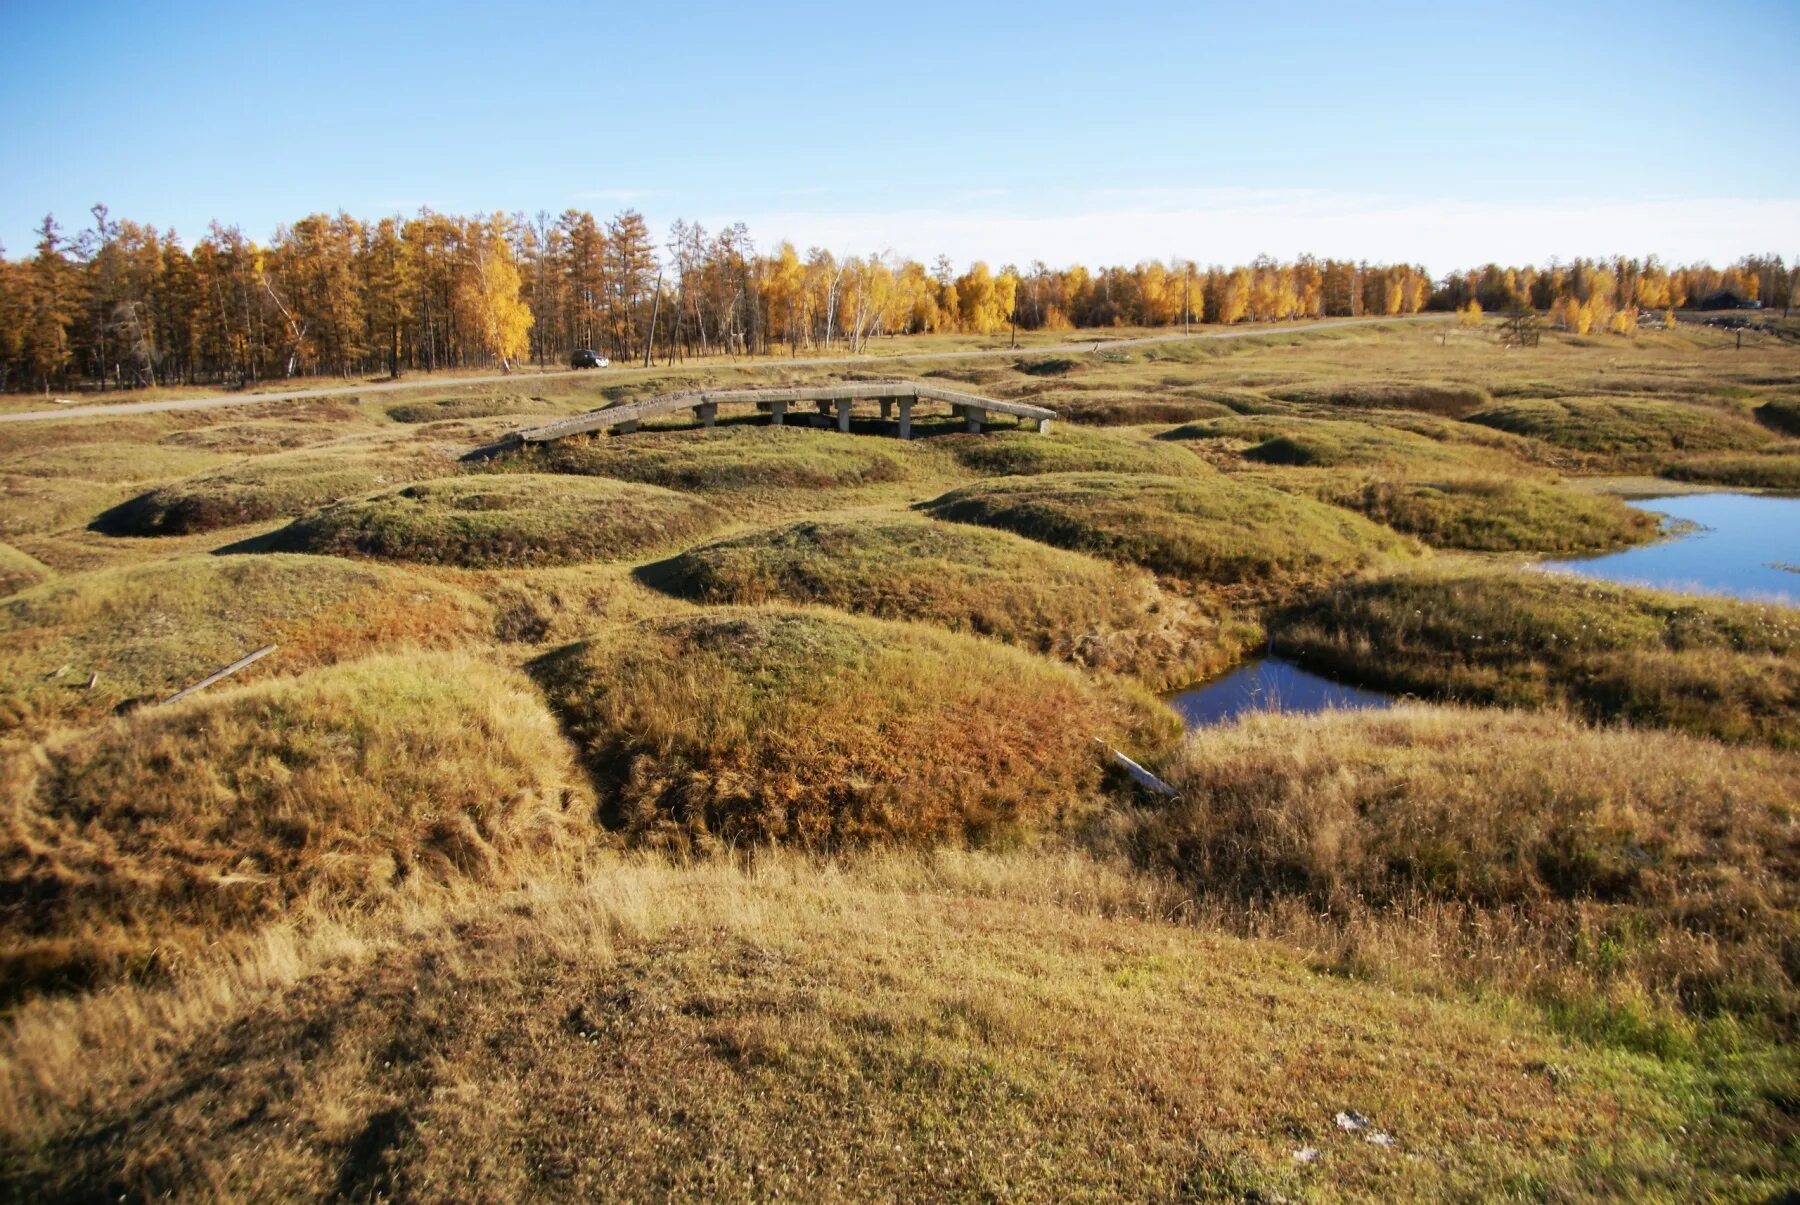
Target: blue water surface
1734, 544
1269, 684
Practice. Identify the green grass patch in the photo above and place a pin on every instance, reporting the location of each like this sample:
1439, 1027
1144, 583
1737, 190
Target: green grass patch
17, 570
1712, 667
152, 629
1623, 429
1493, 514
1113, 408
252, 438
824, 731
1430, 397
345, 786
729, 459
494, 521
467, 407
1021, 453
111, 462
1291, 440
1216, 529
1095, 613
1769, 472
38, 505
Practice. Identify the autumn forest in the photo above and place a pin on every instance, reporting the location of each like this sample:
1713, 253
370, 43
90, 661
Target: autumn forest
122, 305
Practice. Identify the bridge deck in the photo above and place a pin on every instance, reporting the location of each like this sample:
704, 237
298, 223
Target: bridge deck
706, 402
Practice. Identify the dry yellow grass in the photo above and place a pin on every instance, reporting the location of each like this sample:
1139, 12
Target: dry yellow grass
130, 846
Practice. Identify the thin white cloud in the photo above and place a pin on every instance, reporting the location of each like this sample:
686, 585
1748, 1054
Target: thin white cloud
1235, 225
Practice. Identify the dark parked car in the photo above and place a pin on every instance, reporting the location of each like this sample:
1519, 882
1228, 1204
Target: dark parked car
587, 357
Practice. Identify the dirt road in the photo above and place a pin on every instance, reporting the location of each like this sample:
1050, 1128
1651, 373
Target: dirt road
217, 401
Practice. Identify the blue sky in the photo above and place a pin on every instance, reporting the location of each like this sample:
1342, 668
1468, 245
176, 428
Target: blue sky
1091, 132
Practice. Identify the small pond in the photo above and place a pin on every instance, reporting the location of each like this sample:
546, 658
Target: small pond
1745, 545
1268, 684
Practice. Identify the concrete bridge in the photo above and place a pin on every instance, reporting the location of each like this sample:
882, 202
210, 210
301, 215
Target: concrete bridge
888, 396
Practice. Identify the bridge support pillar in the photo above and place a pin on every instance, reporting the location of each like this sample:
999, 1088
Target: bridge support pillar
707, 413
1043, 426
887, 408
906, 405
975, 416
626, 428
777, 413
843, 415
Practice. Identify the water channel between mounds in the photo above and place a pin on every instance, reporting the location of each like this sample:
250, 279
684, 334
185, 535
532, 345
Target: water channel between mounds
1741, 545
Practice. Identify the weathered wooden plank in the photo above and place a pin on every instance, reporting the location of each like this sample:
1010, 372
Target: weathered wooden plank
246, 660
705, 403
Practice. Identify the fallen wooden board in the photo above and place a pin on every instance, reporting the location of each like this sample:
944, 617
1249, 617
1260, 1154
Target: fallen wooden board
234, 667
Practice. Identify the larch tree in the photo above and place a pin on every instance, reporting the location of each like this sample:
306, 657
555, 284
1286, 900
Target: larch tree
489, 292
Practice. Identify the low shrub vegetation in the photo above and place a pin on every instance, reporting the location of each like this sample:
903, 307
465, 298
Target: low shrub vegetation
1214, 529
491, 521
152, 629
1714, 667
1780, 414
153, 835
823, 731
1095, 613
467, 408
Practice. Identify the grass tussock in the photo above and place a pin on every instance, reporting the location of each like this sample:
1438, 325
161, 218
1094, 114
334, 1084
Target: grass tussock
726, 460
1217, 529
822, 731
1654, 874
1494, 514
111, 462
493, 521
893, 1025
269, 487
1766, 472
256, 438
17, 570
1020, 453
1780, 414
1297, 442
1111, 408
1428, 397
1623, 431
1095, 613
467, 408
152, 629
1712, 667
154, 834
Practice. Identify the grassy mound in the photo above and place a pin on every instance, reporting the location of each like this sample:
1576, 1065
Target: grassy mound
1780, 414
1769, 472
268, 488
35, 505
823, 731
466, 408
1215, 529
153, 834
1495, 514
1019, 453
254, 438
1092, 612
111, 462
492, 522
1709, 666
1679, 851
731, 459
1112, 409
1617, 428
1326, 443
155, 628
1429, 397
17, 571
887, 1028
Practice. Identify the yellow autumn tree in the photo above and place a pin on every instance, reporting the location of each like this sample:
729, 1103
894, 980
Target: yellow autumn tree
1470, 314
488, 292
